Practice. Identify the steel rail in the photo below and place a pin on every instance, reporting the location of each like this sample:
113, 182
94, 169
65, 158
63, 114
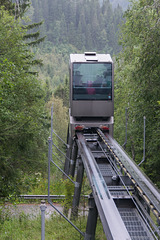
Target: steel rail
109, 214
130, 195
144, 186
145, 220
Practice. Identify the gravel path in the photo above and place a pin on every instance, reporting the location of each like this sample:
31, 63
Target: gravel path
32, 210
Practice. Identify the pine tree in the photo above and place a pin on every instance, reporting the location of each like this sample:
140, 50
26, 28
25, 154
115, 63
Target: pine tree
18, 10
22, 116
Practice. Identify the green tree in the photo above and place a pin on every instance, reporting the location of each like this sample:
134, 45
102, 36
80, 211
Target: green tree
8, 5
16, 8
62, 92
137, 82
22, 114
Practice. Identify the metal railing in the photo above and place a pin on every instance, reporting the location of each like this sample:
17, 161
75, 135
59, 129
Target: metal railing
50, 160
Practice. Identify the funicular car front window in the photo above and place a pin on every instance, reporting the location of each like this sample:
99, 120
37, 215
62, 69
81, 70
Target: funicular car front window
92, 81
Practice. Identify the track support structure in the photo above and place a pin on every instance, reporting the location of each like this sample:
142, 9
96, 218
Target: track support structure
77, 189
92, 219
73, 159
68, 156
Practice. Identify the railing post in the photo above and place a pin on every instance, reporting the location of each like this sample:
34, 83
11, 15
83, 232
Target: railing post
43, 208
124, 145
144, 141
49, 162
144, 138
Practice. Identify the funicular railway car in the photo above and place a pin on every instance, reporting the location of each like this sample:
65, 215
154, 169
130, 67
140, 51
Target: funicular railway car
91, 91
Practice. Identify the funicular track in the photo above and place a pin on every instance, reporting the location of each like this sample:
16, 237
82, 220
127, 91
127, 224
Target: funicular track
128, 204
123, 195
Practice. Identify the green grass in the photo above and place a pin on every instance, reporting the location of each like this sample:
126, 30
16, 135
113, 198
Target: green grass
36, 184
24, 227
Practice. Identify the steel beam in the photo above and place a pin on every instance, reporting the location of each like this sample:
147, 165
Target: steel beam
68, 156
73, 159
92, 219
77, 189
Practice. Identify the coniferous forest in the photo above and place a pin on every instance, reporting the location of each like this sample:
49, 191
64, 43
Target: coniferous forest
83, 24
36, 39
